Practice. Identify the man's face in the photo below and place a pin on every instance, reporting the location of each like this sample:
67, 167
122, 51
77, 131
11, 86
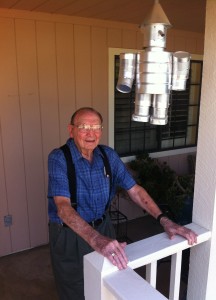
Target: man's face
85, 139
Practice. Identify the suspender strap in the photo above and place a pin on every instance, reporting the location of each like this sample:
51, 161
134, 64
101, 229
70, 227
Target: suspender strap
108, 172
71, 175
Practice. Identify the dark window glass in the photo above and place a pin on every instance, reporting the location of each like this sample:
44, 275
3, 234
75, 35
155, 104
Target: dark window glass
131, 138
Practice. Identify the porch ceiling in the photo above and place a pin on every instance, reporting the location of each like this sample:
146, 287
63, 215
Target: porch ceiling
183, 14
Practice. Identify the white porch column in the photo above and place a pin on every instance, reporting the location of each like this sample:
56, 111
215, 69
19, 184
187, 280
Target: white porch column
203, 259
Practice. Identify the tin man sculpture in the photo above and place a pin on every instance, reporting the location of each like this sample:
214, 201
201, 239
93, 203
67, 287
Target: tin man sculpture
157, 71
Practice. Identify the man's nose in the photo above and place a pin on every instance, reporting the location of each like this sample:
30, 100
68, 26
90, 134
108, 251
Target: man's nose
90, 131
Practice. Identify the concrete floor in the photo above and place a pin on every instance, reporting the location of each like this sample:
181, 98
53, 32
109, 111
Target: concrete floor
28, 275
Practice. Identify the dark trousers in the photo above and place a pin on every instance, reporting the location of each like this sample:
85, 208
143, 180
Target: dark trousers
67, 250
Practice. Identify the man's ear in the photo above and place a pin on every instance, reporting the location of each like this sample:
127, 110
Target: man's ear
70, 130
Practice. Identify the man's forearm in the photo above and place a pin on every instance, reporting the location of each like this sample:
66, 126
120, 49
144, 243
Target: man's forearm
70, 217
143, 199
102, 244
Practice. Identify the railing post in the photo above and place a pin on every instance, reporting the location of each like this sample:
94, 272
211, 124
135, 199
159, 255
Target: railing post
175, 276
95, 268
151, 273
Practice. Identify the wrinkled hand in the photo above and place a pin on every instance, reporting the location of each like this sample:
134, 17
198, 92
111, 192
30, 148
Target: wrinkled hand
172, 229
113, 250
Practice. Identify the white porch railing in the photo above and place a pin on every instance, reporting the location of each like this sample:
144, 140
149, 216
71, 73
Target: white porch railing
103, 281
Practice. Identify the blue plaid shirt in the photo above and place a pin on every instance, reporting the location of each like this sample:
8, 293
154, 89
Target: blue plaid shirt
93, 187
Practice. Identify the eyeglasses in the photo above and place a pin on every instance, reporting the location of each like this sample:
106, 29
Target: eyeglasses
85, 128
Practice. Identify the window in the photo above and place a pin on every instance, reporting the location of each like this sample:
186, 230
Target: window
131, 138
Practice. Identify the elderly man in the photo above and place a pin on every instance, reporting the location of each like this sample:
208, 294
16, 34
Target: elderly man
79, 223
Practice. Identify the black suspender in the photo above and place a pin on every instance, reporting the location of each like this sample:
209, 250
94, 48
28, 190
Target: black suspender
72, 173
108, 172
